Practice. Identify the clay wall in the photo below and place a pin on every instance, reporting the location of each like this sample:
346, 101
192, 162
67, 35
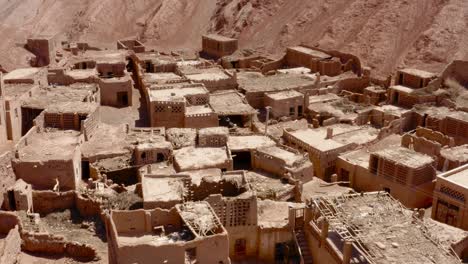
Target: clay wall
221, 84
167, 114
213, 141
322, 248
50, 244
110, 92
9, 254
447, 197
8, 221
114, 69
90, 125
46, 202
201, 120
42, 175
148, 156
217, 48
44, 49
280, 108
330, 67
268, 238
132, 44
6, 173
354, 84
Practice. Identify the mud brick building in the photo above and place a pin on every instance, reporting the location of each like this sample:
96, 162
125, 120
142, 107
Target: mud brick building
218, 46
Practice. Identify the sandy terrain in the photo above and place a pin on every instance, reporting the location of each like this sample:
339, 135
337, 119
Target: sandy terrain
385, 34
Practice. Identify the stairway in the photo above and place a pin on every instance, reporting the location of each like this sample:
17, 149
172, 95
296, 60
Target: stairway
303, 245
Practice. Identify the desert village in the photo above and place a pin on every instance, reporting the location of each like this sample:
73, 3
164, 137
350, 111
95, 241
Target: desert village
230, 156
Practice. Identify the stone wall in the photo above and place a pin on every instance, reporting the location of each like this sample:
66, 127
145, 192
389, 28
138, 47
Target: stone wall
48, 201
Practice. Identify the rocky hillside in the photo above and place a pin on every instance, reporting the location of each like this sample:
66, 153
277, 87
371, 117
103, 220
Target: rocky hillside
385, 34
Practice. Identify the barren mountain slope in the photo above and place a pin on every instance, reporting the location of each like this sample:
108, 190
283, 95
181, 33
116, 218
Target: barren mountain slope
385, 34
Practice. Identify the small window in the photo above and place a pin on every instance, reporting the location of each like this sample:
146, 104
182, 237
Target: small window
16, 112
292, 111
143, 156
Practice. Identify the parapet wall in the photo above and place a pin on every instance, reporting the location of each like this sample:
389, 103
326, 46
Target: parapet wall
6, 173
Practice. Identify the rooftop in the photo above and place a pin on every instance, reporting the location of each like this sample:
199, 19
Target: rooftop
52, 95
160, 77
198, 110
458, 153
458, 176
12, 91
311, 52
288, 157
273, 214
381, 230
162, 189
21, 74
213, 131
209, 74
285, 95
191, 158
176, 93
219, 37
200, 218
277, 82
107, 141
181, 137
72, 107
419, 73
404, 156
45, 146
230, 103
247, 143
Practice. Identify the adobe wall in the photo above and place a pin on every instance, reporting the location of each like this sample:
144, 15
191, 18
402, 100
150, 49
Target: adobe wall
9, 254
201, 120
6, 173
321, 250
90, 125
46, 202
44, 49
43, 174
8, 221
457, 71
280, 108
268, 238
50, 244
109, 92
167, 114
354, 84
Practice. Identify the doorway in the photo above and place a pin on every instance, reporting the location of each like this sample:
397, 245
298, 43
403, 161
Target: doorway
11, 200
242, 160
122, 98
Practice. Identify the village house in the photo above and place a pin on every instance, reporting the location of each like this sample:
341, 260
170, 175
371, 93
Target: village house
218, 46
337, 234
214, 78
324, 144
188, 233
232, 108
284, 162
286, 104
449, 204
49, 160
242, 148
255, 86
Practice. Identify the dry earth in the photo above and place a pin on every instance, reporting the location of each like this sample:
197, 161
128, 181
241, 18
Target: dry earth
386, 34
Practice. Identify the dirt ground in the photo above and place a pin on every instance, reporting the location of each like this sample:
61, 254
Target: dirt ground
384, 34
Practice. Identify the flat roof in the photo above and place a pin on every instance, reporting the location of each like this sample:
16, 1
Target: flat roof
323, 98
11, 91
45, 146
274, 214
219, 37
198, 110
459, 178
264, 184
407, 157
53, 95
285, 95
207, 131
72, 107
282, 154
230, 103
19, 74
458, 153
182, 137
160, 77
196, 176
162, 188
210, 74
404, 89
176, 93
247, 143
192, 158
311, 52
276, 82
108, 140
419, 73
